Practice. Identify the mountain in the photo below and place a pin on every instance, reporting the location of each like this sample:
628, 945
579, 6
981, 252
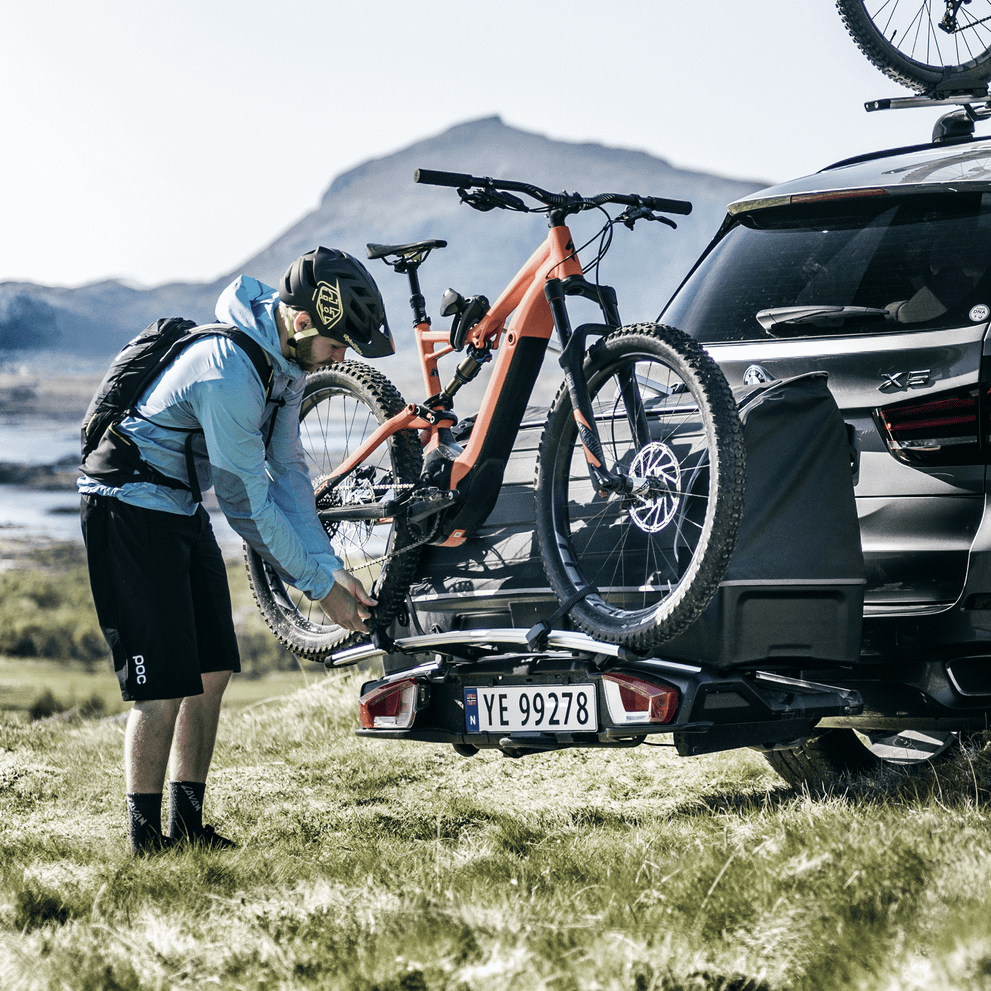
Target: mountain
379, 202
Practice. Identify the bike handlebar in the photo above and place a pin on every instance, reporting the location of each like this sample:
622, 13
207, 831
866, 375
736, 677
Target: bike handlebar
432, 177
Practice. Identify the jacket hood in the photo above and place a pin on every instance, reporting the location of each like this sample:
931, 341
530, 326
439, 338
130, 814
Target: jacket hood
250, 305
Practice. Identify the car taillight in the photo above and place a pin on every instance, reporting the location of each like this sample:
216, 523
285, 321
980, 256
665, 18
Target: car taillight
389, 707
633, 700
940, 430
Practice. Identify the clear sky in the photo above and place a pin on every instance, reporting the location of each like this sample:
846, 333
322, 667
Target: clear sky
155, 140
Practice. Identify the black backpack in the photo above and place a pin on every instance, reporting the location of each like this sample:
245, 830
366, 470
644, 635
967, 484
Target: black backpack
112, 458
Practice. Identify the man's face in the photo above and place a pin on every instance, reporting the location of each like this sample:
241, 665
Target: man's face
317, 351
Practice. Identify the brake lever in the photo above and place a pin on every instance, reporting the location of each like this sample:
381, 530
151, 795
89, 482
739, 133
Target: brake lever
634, 213
488, 199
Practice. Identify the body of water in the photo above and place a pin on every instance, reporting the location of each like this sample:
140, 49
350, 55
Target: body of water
31, 514
37, 442
35, 515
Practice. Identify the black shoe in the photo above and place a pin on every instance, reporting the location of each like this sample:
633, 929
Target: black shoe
153, 844
205, 836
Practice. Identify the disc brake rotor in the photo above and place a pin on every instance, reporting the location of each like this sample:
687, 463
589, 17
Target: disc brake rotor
658, 462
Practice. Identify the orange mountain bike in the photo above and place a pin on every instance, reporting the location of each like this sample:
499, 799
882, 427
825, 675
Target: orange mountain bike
639, 481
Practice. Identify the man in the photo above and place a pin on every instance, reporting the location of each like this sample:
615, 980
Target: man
157, 575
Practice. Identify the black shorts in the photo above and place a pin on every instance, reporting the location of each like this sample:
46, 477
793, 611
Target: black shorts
160, 588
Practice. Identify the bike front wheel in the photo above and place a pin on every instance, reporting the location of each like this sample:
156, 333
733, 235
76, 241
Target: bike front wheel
666, 416
921, 43
343, 405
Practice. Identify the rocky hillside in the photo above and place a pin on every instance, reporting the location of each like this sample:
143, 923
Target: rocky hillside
378, 201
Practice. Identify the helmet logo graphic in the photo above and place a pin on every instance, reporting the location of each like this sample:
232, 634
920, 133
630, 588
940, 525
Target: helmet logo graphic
327, 304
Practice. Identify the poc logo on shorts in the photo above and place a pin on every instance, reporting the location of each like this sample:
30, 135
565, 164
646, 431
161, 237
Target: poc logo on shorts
138, 660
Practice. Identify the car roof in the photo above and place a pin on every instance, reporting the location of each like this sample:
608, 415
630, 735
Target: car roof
921, 168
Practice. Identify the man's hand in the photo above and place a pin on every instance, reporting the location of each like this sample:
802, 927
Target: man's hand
347, 603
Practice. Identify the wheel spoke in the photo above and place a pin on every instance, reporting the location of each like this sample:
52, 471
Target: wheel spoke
923, 43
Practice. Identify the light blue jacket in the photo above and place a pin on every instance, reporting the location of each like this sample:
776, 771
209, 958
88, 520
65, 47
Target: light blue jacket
266, 496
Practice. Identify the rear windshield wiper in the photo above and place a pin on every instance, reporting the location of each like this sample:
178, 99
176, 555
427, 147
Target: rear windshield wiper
775, 319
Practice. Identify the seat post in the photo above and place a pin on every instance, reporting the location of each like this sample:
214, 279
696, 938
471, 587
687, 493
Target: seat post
416, 300
408, 259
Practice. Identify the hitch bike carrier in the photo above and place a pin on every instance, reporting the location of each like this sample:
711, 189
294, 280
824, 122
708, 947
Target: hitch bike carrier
716, 710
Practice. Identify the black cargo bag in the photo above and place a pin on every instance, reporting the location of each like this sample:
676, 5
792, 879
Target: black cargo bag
794, 588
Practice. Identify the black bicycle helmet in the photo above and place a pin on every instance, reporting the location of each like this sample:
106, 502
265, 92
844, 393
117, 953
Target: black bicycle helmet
343, 302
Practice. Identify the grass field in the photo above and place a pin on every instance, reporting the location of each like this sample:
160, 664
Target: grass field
47, 616
384, 866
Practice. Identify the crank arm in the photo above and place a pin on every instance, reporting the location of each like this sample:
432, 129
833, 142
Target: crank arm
436, 501
365, 512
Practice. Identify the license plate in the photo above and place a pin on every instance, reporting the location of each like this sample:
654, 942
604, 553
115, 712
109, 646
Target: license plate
529, 708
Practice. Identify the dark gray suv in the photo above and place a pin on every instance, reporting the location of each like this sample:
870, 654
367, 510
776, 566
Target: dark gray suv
877, 270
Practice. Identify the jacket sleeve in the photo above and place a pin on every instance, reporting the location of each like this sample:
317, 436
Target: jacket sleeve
274, 513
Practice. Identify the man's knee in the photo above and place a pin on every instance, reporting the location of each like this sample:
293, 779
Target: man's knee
157, 708
214, 685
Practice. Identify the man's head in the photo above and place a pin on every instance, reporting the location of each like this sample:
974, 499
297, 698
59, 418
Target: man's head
309, 351
331, 296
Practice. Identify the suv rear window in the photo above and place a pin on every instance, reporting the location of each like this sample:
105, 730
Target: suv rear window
913, 262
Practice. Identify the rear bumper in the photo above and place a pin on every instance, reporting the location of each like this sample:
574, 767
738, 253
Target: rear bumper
714, 711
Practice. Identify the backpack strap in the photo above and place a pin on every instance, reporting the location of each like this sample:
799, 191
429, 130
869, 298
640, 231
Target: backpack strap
257, 354
263, 368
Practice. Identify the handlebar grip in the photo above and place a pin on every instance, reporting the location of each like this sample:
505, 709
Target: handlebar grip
667, 206
433, 178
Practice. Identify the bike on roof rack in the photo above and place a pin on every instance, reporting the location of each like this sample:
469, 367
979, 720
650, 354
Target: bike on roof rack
939, 48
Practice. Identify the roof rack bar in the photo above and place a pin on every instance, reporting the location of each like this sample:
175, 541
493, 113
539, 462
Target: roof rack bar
905, 102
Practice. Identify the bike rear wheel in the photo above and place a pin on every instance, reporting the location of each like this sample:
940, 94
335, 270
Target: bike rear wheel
919, 43
342, 405
665, 412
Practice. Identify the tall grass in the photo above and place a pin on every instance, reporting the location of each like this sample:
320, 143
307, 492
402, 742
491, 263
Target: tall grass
388, 866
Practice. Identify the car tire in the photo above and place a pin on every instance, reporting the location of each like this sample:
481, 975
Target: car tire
843, 754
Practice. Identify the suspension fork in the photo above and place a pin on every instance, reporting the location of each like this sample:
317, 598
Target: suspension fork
574, 344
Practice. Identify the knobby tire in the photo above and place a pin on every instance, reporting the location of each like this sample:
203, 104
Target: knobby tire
654, 563
905, 42
341, 406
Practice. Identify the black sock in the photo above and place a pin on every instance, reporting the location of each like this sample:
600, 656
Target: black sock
144, 813
185, 807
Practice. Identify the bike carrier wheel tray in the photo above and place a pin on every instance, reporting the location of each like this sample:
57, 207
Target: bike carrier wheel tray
713, 712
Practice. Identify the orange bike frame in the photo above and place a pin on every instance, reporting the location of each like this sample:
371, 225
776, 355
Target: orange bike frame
524, 300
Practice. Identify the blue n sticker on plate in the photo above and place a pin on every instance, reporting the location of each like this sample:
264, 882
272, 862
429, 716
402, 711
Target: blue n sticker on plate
471, 710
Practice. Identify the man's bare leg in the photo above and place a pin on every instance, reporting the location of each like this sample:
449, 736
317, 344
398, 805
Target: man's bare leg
196, 729
192, 754
147, 742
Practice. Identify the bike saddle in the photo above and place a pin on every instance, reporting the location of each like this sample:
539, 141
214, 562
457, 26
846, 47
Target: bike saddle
410, 251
